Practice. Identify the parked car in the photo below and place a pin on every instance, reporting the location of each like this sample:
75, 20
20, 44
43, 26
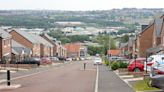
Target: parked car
97, 61
116, 58
68, 59
28, 62
54, 59
82, 58
36, 59
62, 58
45, 61
136, 64
155, 61
156, 79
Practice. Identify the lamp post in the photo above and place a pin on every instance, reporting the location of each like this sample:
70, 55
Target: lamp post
135, 56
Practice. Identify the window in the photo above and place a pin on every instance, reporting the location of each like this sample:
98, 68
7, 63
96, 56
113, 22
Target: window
150, 59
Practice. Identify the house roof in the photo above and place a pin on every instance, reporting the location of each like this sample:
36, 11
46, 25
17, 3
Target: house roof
158, 26
17, 48
73, 47
51, 40
34, 38
27, 35
150, 24
46, 35
114, 52
4, 34
41, 40
16, 44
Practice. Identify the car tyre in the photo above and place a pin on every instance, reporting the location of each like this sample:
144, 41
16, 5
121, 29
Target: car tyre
137, 70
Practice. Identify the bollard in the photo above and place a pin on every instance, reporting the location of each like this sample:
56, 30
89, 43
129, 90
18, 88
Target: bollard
8, 77
84, 66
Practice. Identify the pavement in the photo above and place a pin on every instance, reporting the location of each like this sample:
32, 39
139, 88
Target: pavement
66, 78
110, 82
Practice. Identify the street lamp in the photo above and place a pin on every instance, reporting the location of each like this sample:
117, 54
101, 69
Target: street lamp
146, 62
135, 56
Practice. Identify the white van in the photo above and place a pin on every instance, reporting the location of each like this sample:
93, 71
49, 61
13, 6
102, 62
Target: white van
155, 61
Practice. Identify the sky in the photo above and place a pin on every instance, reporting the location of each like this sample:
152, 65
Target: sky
75, 5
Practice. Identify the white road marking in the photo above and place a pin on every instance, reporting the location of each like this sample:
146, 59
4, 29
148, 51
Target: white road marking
97, 78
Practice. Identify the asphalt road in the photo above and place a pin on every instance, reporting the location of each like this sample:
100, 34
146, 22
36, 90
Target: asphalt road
66, 78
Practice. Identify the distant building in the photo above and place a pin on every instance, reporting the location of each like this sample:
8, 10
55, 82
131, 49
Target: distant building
114, 52
75, 50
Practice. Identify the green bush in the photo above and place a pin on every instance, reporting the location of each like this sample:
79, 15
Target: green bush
123, 65
106, 61
114, 66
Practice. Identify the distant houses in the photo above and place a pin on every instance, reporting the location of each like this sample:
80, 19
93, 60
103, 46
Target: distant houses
114, 52
149, 41
18, 45
76, 50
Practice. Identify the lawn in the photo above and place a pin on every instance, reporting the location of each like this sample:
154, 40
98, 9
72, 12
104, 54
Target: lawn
142, 86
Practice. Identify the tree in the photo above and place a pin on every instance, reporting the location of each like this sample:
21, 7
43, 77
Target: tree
106, 41
93, 50
125, 39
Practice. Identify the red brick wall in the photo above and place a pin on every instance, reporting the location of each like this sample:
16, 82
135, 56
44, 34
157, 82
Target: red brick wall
36, 50
145, 41
0, 48
17, 37
5, 48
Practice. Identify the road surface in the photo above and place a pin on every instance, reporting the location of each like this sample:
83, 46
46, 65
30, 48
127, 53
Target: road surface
66, 78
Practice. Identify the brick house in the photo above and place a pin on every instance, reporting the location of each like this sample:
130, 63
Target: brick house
5, 45
27, 40
46, 48
73, 50
145, 40
150, 39
51, 40
114, 52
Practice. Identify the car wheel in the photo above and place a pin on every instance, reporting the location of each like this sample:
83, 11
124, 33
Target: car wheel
148, 82
137, 70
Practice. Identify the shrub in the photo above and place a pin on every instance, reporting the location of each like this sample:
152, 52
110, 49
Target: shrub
123, 65
114, 66
106, 61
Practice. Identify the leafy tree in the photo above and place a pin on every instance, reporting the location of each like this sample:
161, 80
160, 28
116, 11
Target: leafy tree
106, 41
93, 50
125, 39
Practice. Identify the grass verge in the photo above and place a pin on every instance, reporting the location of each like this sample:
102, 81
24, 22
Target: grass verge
142, 86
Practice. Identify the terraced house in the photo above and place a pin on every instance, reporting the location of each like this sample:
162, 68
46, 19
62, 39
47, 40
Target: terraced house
46, 48
5, 45
27, 40
58, 49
